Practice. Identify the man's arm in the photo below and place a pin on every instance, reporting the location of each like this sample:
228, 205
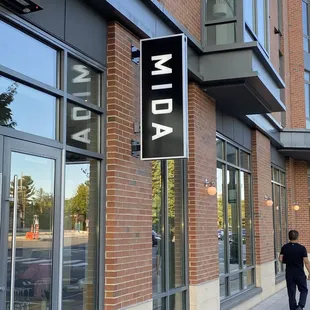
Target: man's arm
307, 264
281, 255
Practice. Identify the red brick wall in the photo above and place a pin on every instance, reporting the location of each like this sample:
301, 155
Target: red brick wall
263, 218
296, 63
202, 208
188, 13
298, 193
129, 183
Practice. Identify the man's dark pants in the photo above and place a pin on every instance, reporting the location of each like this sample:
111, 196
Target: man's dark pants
301, 282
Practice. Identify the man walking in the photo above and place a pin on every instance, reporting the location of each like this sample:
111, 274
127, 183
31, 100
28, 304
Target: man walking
294, 256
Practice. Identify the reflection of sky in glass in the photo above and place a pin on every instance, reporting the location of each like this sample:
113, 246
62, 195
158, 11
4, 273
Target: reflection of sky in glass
40, 169
33, 111
74, 177
26, 55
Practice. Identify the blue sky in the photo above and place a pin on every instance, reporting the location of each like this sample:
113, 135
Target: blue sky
42, 172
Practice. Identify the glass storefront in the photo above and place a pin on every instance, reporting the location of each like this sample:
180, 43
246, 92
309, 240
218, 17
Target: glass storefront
51, 115
235, 219
280, 226
168, 235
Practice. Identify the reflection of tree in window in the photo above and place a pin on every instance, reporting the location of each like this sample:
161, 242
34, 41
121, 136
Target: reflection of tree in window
78, 205
6, 98
26, 191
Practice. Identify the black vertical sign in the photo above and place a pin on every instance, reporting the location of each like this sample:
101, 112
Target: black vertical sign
163, 91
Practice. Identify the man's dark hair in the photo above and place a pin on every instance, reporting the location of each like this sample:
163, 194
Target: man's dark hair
293, 235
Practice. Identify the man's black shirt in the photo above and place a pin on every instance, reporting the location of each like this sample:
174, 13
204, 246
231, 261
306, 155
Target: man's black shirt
293, 257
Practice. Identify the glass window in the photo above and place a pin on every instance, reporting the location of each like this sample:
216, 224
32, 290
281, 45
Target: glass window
26, 109
305, 24
245, 160
80, 232
157, 229
256, 16
177, 301
232, 154
159, 304
175, 224
168, 236
82, 128
262, 22
233, 218
307, 98
220, 149
279, 215
235, 225
246, 216
35, 220
220, 217
249, 13
221, 34
34, 59
83, 81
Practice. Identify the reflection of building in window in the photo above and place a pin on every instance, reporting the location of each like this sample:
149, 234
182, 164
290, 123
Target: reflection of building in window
168, 228
279, 214
235, 218
80, 234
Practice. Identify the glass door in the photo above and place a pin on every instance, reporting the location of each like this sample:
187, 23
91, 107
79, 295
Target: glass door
30, 226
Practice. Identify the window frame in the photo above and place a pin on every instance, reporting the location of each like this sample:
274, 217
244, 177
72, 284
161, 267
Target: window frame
253, 33
306, 35
168, 292
281, 187
243, 269
307, 104
60, 92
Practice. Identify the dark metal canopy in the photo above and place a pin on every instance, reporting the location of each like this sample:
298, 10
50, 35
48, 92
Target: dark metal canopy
242, 80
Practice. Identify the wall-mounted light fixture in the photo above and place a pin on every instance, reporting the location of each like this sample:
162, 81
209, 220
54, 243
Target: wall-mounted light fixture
268, 200
23, 6
296, 206
220, 9
210, 186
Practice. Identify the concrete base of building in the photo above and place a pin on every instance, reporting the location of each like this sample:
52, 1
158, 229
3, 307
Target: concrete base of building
142, 306
205, 296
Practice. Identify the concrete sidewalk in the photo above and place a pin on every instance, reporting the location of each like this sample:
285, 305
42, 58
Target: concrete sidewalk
279, 301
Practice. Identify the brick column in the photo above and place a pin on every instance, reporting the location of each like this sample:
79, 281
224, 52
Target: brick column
297, 187
129, 184
263, 215
202, 208
296, 64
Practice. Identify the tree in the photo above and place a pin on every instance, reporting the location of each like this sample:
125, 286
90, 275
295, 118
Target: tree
156, 191
6, 98
77, 206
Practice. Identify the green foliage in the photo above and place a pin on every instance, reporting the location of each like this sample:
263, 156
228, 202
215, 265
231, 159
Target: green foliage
6, 98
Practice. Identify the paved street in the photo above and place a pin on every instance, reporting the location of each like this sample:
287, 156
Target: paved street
278, 302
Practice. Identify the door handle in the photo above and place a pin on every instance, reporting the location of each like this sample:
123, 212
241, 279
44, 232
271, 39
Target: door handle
15, 202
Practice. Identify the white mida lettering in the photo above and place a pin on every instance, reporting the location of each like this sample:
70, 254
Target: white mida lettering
161, 86
82, 136
166, 102
161, 131
161, 59
80, 114
84, 74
